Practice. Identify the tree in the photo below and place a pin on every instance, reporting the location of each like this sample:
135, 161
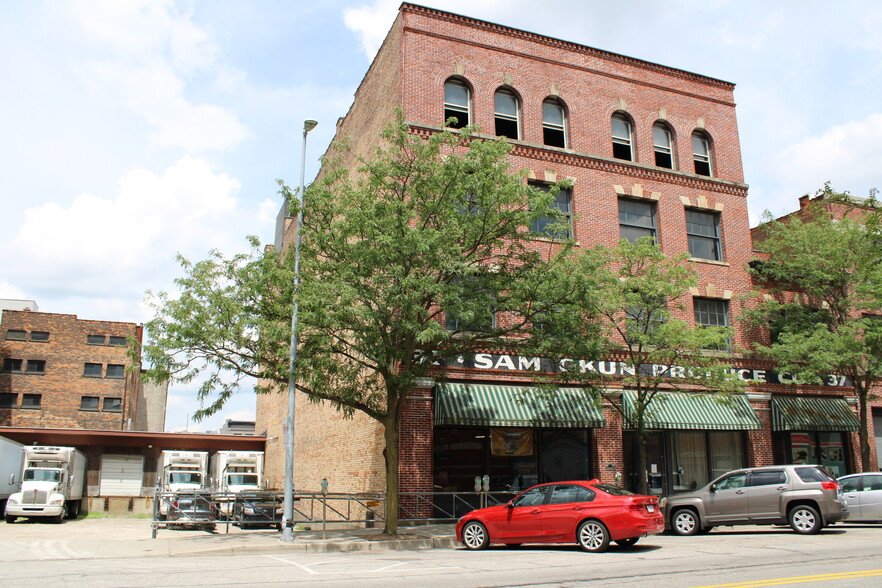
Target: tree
422, 254
823, 273
638, 293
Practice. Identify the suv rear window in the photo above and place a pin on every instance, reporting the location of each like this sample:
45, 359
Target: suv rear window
808, 474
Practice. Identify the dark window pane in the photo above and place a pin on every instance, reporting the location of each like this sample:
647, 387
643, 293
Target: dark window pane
703, 230
95, 339
118, 341
11, 365
621, 137
701, 154
36, 366
112, 404
456, 103
553, 124
93, 370
662, 144
115, 371
89, 403
636, 219
710, 312
15, 335
8, 400
767, 478
557, 228
31, 400
621, 151
39, 335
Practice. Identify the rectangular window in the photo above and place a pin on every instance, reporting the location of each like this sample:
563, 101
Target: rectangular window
636, 219
8, 400
12, 365
89, 403
703, 230
117, 341
93, 370
31, 400
115, 371
641, 323
36, 366
96, 339
560, 227
711, 312
16, 335
39, 335
112, 404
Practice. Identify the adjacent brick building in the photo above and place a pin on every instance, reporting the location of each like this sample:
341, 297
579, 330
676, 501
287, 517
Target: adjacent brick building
650, 150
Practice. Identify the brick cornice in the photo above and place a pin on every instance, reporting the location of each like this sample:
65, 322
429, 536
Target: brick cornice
596, 162
567, 46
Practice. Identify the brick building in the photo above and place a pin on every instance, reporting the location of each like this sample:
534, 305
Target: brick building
60, 371
650, 150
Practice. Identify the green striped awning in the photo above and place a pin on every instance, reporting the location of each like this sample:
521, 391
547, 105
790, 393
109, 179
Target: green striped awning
515, 406
679, 410
812, 413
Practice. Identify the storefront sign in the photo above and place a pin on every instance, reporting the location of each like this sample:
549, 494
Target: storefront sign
520, 363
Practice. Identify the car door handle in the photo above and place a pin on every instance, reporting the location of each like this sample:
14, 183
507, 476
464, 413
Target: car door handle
739, 491
534, 511
782, 488
578, 507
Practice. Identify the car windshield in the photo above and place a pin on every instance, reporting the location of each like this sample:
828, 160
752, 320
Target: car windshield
184, 478
41, 475
242, 479
613, 490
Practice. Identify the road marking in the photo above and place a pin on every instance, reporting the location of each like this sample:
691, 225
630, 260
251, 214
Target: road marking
395, 565
799, 579
293, 563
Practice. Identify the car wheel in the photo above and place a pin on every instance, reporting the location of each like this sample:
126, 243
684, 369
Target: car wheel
685, 522
10, 519
592, 536
629, 542
804, 519
474, 535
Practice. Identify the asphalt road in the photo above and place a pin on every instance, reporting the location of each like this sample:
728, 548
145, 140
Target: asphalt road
741, 557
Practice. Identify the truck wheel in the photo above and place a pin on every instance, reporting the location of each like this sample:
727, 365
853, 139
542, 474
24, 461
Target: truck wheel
73, 509
10, 519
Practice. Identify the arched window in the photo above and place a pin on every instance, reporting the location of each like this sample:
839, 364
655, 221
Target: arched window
457, 103
663, 145
701, 153
507, 113
622, 137
554, 123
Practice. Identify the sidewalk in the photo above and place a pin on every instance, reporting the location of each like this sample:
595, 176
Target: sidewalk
121, 538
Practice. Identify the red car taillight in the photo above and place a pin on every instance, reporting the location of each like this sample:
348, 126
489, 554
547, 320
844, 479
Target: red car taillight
831, 485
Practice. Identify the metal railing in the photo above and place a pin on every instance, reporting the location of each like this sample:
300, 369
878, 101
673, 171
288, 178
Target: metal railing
212, 511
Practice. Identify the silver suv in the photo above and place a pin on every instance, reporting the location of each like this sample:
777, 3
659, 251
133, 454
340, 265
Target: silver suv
803, 496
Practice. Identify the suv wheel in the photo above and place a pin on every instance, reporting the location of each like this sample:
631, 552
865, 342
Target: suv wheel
685, 522
804, 519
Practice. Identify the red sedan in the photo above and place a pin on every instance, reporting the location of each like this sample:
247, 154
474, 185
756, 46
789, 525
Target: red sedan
588, 513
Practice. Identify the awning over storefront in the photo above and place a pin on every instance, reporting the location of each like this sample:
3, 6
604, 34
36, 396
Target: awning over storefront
678, 410
812, 413
514, 406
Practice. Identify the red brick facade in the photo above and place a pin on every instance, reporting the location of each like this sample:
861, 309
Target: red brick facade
426, 47
52, 387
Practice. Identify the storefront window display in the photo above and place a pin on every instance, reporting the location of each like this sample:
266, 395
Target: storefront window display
816, 447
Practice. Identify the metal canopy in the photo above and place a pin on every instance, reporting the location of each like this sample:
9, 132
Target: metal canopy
515, 406
812, 413
679, 410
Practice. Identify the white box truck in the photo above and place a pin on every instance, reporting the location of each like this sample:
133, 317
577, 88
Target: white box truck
182, 471
52, 482
236, 471
10, 469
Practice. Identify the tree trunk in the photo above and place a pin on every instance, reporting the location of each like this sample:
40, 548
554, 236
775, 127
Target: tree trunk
643, 482
391, 456
863, 429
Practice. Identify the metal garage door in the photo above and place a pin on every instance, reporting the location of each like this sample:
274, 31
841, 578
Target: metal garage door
121, 475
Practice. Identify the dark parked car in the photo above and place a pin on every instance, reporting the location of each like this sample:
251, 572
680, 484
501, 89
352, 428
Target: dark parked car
257, 510
862, 494
192, 509
587, 513
803, 496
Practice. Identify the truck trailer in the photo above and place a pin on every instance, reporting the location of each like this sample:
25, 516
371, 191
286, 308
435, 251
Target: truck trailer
52, 483
10, 469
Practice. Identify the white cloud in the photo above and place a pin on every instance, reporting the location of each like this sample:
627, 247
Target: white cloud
149, 53
848, 155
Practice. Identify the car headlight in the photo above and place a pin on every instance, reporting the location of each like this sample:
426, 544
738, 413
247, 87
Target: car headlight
12, 500
249, 511
663, 502
56, 502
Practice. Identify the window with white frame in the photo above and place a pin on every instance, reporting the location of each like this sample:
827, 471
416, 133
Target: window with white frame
622, 137
637, 219
663, 145
457, 103
712, 312
701, 153
554, 123
703, 233
507, 113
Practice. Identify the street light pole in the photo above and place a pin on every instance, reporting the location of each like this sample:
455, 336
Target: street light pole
288, 509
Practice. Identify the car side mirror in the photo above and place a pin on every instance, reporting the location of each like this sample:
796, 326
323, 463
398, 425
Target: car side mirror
713, 488
509, 504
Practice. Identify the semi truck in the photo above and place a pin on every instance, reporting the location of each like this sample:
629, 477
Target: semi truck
52, 483
182, 471
10, 469
237, 471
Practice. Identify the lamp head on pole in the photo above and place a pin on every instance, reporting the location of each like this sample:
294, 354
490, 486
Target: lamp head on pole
308, 125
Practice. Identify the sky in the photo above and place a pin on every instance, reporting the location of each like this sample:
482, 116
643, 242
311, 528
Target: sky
133, 131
